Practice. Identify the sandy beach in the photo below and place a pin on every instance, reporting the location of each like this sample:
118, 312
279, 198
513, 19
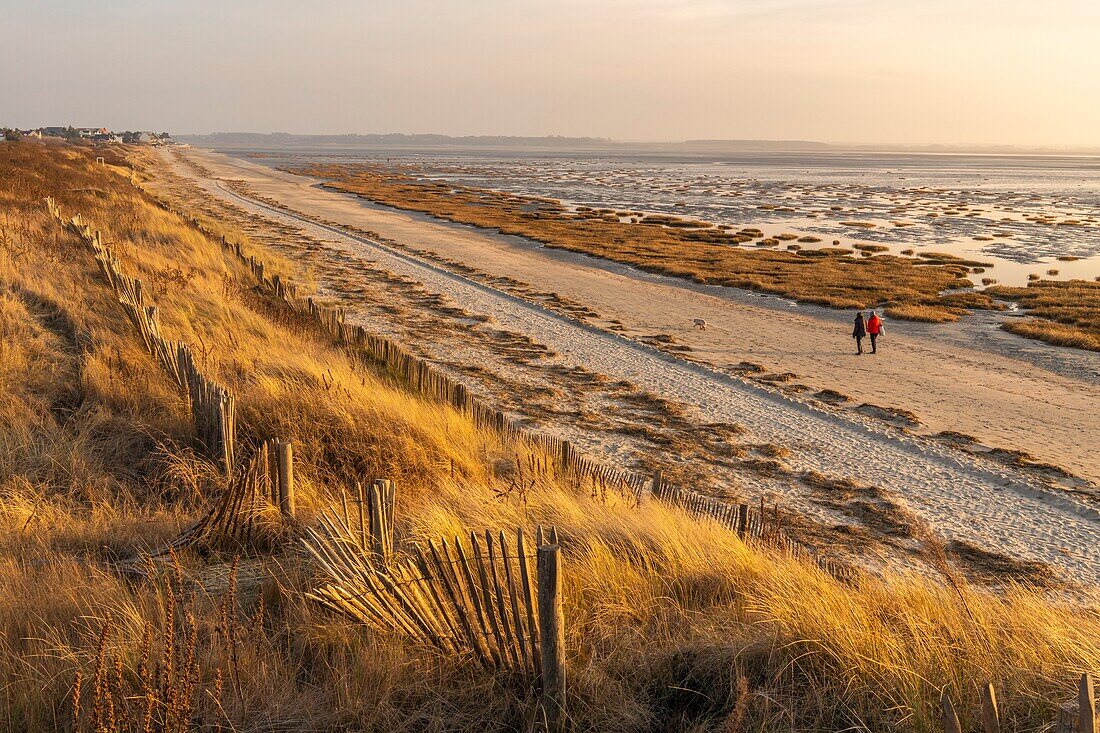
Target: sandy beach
959, 385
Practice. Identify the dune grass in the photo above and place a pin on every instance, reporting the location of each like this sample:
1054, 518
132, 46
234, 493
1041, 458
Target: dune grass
672, 624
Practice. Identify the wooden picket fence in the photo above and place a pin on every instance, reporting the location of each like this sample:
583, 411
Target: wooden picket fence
266, 480
230, 521
212, 406
1076, 716
374, 532
478, 598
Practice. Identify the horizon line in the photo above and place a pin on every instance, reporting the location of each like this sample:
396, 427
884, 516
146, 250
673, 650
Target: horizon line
972, 147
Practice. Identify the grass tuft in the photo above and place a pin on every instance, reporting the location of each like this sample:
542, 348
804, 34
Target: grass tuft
922, 312
1069, 309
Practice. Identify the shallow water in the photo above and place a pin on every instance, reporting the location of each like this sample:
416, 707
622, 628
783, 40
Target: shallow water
1017, 213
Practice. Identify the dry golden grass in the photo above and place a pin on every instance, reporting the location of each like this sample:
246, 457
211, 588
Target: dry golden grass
672, 623
703, 255
943, 258
1053, 333
921, 312
1070, 311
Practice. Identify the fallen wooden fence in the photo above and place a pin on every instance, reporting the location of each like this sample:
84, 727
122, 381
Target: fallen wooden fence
375, 515
478, 598
230, 521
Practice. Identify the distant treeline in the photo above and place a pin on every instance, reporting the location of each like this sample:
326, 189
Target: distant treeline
401, 140
398, 141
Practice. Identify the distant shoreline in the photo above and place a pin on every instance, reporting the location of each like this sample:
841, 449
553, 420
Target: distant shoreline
406, 143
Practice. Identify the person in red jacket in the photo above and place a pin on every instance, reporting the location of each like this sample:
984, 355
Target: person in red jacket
874, 330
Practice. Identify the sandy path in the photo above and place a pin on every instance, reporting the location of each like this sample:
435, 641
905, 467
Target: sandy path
963, 498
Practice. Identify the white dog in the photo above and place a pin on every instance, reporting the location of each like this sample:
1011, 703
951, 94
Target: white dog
700, 324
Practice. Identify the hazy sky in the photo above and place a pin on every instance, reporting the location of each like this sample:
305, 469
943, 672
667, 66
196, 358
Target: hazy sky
898, 71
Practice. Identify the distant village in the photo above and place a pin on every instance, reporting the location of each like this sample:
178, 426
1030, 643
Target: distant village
89, 134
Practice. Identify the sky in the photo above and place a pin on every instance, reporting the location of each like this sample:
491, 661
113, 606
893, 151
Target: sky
952, 72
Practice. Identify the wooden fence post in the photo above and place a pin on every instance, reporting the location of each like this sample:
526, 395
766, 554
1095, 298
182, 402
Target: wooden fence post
272, 470
285, 457
742, 520
1086, 705
552, 628
991, 722
950, 719
1079, 716
655, 485
227, 422
380, 505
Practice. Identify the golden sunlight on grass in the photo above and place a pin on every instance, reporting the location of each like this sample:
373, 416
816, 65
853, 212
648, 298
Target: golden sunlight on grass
672, 622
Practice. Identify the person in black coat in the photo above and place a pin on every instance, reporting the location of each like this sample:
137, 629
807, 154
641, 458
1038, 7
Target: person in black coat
858, 333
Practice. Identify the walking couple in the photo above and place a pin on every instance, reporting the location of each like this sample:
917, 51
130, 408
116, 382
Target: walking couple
873, 328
